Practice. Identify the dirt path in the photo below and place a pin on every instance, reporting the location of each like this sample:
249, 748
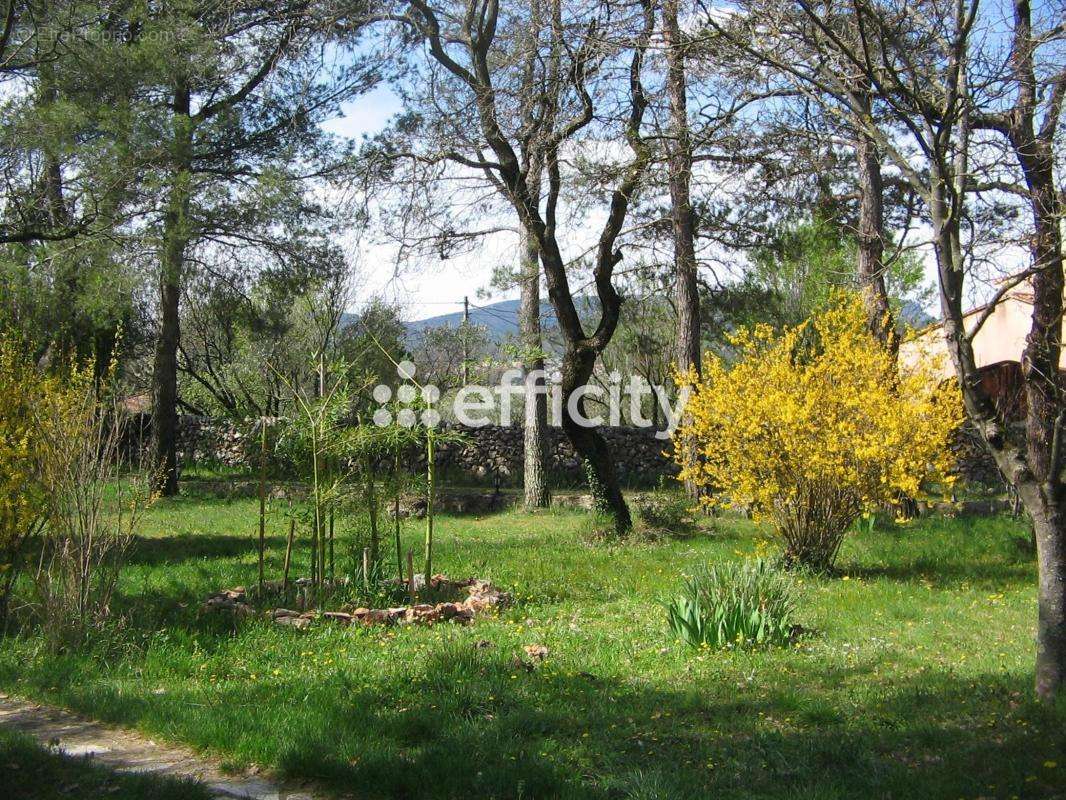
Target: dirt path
128, 751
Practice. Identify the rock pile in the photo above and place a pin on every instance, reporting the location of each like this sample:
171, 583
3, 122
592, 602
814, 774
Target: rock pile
481, 596
234, 601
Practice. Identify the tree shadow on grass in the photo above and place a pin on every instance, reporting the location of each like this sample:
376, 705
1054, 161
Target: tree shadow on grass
466, 722
458, 721
547, 734
174, 549
984, 552
944, 574
30, 772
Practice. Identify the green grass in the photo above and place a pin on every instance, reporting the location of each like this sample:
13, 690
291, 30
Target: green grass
30, 772
913, 682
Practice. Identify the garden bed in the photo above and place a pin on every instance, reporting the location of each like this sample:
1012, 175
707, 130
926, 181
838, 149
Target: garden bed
456, 601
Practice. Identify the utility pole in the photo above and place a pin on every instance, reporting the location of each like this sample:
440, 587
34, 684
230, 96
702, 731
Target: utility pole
466, 343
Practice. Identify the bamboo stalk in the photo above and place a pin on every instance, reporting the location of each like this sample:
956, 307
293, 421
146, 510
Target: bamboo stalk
429, 503
372, 510
262, 500
288, 557
314, 553
332, 574
396, 514
411, 575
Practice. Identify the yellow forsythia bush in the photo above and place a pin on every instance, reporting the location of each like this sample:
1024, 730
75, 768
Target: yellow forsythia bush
813, 426
21, 493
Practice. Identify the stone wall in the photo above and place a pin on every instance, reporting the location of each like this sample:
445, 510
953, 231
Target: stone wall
973, 463
201, 440
494, 454
491, 455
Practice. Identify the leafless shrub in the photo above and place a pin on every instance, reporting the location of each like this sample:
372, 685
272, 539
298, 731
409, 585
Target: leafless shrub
93, 510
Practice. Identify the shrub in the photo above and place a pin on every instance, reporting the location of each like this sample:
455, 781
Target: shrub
21, 493
663, 513
734, 604
92, 510
598, 527
813, 426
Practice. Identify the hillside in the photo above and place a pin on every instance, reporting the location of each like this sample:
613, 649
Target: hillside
500, 319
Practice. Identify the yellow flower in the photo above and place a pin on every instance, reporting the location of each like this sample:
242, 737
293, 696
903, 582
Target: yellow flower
814, 418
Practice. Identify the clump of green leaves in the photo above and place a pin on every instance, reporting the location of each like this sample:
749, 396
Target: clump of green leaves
598, 527
663, 513
735, 604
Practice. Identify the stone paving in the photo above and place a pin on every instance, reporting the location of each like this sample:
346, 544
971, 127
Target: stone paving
128, 751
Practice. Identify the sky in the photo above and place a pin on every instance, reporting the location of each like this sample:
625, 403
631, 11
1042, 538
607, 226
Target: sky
432, 289
435, 288
439, 288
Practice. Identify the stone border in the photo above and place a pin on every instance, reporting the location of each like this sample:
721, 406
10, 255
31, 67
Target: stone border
481, 597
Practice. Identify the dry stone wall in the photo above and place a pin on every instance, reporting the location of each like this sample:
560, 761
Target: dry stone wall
490, 455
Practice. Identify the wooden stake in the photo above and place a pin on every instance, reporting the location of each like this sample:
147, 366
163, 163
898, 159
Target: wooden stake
366, 568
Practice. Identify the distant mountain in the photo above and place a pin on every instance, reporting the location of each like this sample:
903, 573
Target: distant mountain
501, 319
914, 316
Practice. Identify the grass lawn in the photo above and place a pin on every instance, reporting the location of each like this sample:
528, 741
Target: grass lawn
914, 681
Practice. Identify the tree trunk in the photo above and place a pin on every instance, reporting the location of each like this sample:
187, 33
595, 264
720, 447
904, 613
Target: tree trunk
1049, 525
535, 475
680, 176
578, 362
870, 267
1044, 409
679, 156
1032, 469
581, 349
1038, 483
175, 241
591, 447
69, 334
